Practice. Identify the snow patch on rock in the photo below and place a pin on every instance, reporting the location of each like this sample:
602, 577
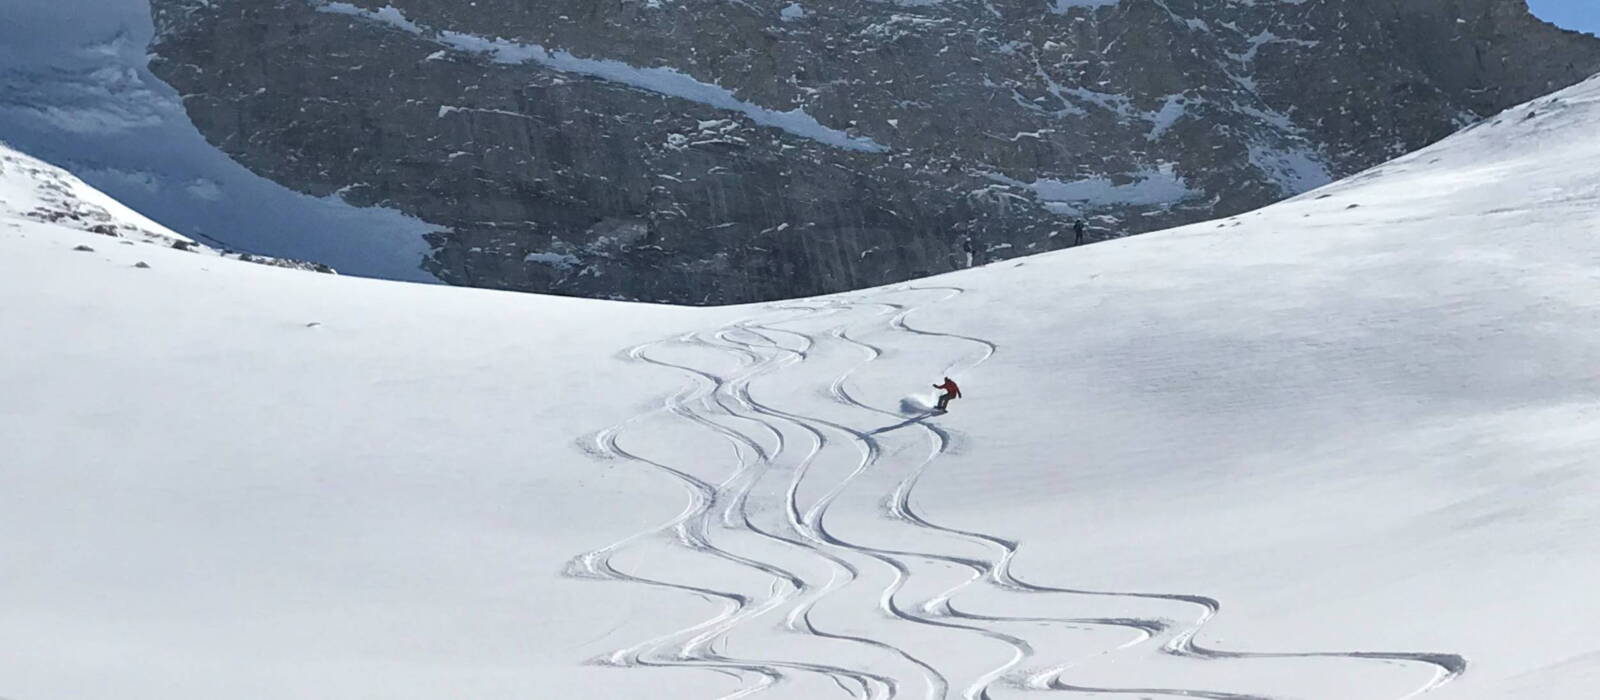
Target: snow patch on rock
1061, 7
662, 80
1160, 185
1295, 170
560, 261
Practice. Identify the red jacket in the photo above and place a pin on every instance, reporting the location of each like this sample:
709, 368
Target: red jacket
949, 387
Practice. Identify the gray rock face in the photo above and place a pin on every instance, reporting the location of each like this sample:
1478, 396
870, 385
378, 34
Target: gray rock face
707, 151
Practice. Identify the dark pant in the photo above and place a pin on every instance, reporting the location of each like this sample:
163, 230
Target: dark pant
944, 401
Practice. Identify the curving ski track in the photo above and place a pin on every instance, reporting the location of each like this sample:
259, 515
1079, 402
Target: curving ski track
772, 455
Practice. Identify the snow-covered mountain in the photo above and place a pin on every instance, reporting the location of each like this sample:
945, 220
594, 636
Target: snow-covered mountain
1342, 447
34, 192
706, 151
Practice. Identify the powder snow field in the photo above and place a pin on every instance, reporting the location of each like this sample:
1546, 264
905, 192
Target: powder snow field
1344, 447
230, 480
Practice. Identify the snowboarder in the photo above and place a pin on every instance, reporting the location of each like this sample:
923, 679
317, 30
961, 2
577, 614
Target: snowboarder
1078, 227
951, 391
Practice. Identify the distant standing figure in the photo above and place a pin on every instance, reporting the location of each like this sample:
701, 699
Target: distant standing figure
1078, 227
971, 249
951, 391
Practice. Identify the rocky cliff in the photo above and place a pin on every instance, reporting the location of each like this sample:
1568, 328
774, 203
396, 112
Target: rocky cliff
710, 151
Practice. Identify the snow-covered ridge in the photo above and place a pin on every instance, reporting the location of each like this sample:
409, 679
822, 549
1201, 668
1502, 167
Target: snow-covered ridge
1529, 142
661, 80
35, 192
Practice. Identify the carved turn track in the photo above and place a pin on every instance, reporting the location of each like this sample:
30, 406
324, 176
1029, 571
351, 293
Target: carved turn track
800, 530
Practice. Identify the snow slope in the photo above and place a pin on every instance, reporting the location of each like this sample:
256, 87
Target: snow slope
31, 189
74, 90
1339, 448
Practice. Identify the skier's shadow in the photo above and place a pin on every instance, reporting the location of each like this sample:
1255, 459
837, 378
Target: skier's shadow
904, 423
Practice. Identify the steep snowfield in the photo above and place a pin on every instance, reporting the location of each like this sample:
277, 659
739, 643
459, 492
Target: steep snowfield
34, 191
1340, 448
31, 189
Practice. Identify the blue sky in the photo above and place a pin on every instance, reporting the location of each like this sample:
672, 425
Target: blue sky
1582, 15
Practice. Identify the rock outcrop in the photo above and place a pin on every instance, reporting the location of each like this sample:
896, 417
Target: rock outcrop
706, 151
